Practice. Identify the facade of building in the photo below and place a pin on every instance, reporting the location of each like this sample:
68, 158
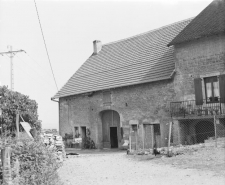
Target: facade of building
200, 77
132, 89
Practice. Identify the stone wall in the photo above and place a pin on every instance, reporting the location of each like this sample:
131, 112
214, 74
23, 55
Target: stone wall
144, 103
196, 58
147, 103
199, 58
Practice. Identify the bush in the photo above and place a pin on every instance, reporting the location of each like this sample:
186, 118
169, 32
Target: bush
11, 103
38, 164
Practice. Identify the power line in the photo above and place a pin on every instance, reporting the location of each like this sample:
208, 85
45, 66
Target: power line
45, 44
33, 78
33, 69
31, 58
42, 82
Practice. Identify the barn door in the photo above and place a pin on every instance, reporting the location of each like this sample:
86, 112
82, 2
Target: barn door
110, 118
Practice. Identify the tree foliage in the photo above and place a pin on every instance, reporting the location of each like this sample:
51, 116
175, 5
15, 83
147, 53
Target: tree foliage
12, 102
38, 163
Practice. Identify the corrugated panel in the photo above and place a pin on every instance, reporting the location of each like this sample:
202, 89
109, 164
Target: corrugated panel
210, 21
139, 59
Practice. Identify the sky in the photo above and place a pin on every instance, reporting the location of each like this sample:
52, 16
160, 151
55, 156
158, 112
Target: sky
70, 27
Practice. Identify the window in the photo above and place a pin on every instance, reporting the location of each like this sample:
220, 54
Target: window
211, 89
106, 97
214, 89
134, 128
77, 135
156, 129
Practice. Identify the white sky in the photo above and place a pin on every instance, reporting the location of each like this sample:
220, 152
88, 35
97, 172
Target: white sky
69, 28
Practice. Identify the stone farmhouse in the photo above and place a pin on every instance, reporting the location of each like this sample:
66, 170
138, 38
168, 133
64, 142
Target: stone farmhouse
132, 88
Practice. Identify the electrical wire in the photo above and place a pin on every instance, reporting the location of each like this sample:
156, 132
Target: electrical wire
44, 78
33, 78
30, 76
32, 59
45, 44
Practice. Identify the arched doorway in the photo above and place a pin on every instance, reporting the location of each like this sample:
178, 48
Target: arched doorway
204, 130
110, 129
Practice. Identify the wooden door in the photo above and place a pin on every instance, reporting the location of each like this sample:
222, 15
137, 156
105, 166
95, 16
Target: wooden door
110, 118
147, 136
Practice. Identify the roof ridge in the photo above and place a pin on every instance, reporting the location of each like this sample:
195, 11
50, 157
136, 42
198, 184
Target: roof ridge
113, 42
206, 23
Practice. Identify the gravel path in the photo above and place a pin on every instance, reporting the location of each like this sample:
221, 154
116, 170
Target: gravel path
118, 169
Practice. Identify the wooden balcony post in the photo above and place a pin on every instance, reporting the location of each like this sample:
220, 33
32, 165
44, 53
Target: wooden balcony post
169, 152
215, 130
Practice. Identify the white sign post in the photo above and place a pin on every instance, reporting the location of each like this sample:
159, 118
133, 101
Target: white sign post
27, 128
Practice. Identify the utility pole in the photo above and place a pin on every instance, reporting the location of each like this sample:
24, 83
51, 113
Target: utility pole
11, 53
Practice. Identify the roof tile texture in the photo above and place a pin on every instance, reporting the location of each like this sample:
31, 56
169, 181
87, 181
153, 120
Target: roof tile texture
209, 22
135, 60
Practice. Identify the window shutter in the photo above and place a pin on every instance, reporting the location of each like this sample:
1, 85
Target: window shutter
198, 91
222, 88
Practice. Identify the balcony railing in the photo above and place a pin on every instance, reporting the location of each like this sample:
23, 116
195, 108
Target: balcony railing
189, 108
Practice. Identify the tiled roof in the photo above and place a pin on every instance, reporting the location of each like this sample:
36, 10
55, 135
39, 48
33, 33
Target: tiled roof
210, 21
135, 60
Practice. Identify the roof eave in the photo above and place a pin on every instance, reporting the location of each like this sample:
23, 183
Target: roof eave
147, 81
189, 40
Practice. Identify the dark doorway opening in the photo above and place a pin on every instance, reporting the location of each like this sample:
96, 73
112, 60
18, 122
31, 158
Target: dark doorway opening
204, 130
83, 135
113, 137
83, 132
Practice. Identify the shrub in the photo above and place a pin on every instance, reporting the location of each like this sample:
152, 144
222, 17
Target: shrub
38, 164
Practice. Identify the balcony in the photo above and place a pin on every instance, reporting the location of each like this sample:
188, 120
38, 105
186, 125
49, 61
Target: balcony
190, 109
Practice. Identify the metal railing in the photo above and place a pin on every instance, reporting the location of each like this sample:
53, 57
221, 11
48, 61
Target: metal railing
189, 108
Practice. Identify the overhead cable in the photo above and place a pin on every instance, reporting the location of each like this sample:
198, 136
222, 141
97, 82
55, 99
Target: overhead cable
45, 44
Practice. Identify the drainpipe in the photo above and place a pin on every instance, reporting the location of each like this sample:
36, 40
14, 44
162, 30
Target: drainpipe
54, 100
174, 71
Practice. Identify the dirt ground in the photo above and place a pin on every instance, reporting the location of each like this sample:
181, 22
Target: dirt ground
209, 159
195, 167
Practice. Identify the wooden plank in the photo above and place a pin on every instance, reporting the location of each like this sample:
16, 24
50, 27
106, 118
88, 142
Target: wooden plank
222, 88
198, 91
17, 125
169, 138
143, 139
215, 130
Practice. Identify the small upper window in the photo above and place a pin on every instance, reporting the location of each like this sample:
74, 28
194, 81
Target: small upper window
212, 89
106, 97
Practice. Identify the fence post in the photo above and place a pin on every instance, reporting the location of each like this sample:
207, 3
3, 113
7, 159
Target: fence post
130, 142
17, 125
168, 150
215, 130
136, 142
6, 171
143, 139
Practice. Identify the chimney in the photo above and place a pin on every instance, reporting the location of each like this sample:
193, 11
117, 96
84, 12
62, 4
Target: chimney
97, 46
